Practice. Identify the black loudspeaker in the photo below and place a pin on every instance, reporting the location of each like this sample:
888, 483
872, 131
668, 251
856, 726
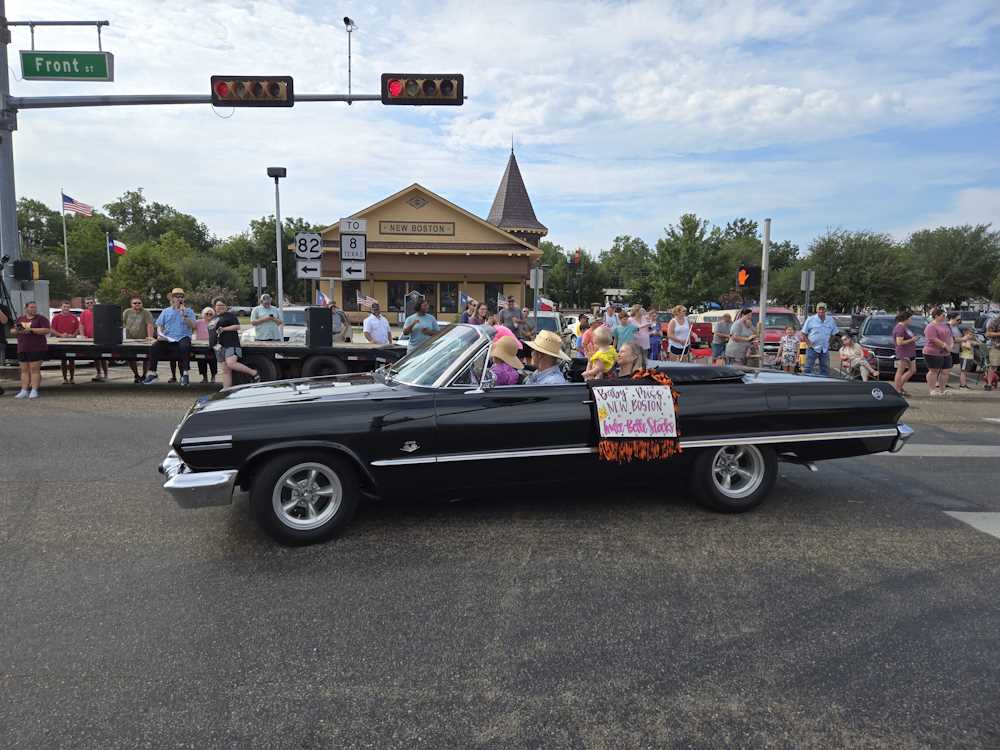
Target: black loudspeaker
319, 327
23, 270
107, 325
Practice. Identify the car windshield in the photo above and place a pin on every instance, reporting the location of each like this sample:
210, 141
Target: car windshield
843, 321
543, 323
294, 317
778, 320
425, 364
884, 326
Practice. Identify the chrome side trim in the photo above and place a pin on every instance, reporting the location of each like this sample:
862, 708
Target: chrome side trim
208, 439
405, 461
207, 447
533, 453
807, 437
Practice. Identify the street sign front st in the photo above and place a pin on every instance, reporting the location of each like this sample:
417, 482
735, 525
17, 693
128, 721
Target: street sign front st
39, 65
353, 247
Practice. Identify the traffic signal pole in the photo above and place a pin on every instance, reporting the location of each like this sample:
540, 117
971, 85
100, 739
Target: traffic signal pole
9, 245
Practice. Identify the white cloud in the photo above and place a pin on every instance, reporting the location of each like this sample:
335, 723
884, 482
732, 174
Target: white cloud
972, 206
625, 114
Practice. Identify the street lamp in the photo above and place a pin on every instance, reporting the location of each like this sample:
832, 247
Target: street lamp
277, 173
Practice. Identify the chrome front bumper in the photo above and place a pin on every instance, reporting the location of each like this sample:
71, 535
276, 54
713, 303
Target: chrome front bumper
904, 433
197, 489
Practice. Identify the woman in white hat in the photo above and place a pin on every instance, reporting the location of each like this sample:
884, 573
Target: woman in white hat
545, 356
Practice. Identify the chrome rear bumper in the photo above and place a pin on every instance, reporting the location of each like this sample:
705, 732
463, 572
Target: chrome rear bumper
905, 432
196, 489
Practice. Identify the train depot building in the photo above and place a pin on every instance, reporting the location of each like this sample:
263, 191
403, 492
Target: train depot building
420, 241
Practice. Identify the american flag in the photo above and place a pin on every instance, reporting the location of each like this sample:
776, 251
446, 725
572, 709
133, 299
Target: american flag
76, 207
364, 301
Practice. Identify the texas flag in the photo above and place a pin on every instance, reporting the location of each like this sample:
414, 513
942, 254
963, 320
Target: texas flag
115, 246
546, 304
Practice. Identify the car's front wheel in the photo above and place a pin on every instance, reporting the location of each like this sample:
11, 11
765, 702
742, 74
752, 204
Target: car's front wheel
302, 497
734, 478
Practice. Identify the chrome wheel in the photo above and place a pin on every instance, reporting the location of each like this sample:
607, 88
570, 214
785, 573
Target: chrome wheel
738, 470
307, 495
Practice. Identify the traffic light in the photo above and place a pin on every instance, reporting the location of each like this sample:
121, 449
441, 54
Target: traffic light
252, 91
436, 89
748, 276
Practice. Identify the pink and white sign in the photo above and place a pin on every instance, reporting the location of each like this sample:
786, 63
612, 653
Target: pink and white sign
635, 411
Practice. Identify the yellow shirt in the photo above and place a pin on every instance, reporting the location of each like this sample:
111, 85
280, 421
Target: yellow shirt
607, 359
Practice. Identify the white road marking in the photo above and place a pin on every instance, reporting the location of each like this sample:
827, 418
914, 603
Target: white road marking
988, 523
951, 450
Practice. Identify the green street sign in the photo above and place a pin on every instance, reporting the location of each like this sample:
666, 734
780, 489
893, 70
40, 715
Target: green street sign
67, 66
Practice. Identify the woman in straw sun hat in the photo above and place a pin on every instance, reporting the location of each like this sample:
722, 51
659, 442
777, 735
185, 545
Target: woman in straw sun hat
506, 366
546, 354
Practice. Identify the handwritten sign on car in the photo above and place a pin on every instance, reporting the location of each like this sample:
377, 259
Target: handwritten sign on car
635, 411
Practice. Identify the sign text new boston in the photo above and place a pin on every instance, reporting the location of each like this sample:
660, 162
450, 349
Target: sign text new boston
446, 228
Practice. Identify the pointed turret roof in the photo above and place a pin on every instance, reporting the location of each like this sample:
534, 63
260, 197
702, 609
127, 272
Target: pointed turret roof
511, 210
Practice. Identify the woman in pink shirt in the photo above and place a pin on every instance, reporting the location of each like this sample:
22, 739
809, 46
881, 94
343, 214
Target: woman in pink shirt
937, 352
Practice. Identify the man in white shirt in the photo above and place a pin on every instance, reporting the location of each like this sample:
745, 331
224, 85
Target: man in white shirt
376, 327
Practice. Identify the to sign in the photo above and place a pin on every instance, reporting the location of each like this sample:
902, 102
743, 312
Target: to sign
307, 269
352, 270
308, 246
354, 226
353, 247
37, 65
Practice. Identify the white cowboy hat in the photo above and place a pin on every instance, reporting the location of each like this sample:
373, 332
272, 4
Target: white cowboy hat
505, 349
549, 343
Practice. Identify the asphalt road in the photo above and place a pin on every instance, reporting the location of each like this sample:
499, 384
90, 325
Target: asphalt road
849, 611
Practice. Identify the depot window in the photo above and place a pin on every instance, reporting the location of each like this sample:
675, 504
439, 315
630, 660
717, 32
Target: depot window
449, 296
396, 294
349, 295
493, 290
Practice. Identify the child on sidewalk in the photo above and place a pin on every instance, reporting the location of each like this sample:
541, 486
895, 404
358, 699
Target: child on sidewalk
966, 356
789, 347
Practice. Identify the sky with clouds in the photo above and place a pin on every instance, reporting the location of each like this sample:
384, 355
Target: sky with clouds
625, 115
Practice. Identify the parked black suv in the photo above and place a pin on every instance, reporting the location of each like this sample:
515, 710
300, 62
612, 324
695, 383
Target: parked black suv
876, 335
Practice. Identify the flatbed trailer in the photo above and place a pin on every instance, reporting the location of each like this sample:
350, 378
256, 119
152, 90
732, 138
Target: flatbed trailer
274, 360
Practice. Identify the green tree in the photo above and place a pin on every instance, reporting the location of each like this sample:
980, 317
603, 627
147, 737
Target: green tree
139, 220
628, 264
88, 247
143, 271
40, 226
687, 263
957, 263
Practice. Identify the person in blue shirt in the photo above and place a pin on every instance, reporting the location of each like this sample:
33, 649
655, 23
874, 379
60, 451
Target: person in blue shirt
420, 326
547, 346
818, 330
173, 337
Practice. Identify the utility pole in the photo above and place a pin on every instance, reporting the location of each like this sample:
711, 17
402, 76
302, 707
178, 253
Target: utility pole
765, 264
277, 173
9, 245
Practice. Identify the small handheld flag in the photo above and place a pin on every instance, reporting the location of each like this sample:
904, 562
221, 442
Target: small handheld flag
322, 299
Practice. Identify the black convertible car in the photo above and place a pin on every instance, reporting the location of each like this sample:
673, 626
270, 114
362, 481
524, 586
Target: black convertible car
308, 450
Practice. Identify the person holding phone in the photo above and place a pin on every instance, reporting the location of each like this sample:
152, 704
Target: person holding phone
741, 336
266, 320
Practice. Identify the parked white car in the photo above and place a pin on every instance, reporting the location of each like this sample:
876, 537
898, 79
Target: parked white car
293, 331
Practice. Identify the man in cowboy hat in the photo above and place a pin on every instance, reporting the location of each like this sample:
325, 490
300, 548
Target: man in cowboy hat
547, 351
173, 337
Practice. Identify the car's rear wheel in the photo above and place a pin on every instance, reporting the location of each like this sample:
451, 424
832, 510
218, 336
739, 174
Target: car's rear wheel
734, 478
320, 365
304, 497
